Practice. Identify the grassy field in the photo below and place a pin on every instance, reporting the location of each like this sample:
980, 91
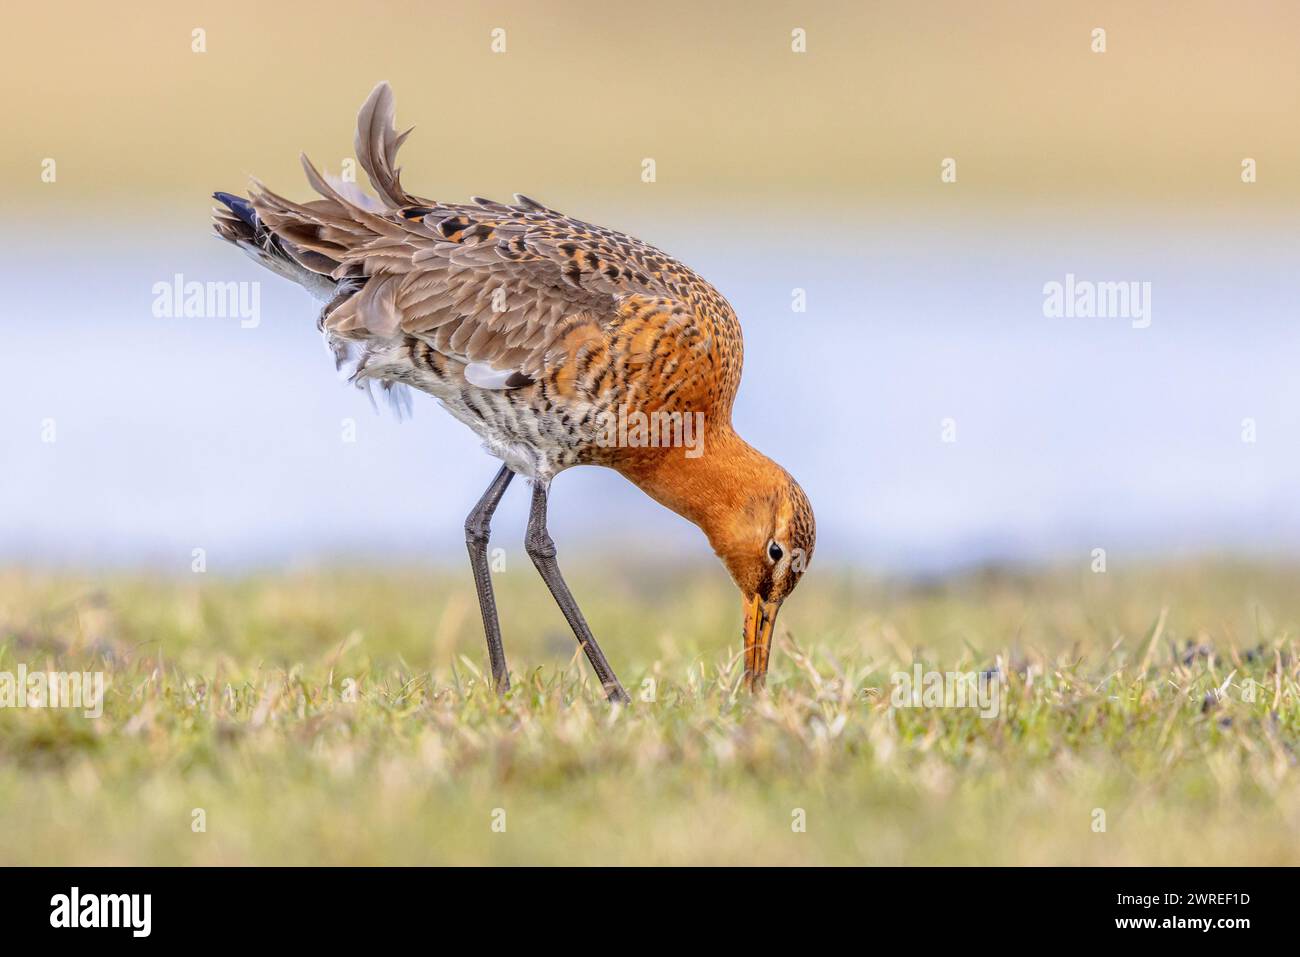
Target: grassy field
340, 717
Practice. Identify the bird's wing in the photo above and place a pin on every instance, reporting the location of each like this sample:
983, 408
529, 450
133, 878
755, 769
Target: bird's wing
492, 285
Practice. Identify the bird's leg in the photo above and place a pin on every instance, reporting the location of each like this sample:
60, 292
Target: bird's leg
541, 549
477, 530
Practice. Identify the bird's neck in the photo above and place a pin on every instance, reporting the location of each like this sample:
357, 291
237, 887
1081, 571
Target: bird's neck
707, 489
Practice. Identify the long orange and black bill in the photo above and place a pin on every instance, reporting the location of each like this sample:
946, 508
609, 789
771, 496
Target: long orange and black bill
760, 619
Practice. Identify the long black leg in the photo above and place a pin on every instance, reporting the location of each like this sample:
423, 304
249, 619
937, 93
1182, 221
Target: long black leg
541, 550
478, 527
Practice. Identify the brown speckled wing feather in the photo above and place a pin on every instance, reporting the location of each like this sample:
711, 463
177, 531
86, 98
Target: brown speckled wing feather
484, 282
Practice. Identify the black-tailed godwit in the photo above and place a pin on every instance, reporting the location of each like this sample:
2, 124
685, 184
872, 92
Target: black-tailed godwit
558, 342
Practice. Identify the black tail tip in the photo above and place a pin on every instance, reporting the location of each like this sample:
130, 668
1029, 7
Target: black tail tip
239, 206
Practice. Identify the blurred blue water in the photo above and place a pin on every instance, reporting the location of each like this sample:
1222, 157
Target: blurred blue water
1071, 434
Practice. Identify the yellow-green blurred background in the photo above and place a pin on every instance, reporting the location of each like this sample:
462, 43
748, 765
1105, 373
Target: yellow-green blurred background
778, 175
712, 91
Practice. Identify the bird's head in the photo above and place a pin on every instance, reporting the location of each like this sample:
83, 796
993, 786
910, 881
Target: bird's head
766, 543
756, 517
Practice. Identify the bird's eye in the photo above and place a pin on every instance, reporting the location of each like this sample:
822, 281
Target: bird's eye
774, 551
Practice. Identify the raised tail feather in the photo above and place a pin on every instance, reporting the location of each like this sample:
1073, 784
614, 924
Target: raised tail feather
376, 144
238, 223
329, 238
321, 244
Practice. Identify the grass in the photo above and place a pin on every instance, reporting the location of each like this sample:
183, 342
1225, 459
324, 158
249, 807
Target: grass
340, 717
